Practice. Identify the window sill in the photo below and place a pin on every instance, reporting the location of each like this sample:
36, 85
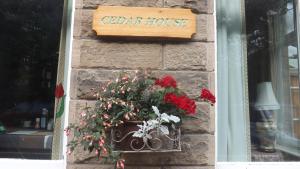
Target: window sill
257, 165
32, 164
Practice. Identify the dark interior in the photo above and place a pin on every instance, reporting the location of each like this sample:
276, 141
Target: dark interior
29, 40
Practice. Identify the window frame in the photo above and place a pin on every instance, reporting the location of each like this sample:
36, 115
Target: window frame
12, 163
247, 165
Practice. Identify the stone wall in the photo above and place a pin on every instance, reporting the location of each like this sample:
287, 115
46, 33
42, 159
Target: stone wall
191, 62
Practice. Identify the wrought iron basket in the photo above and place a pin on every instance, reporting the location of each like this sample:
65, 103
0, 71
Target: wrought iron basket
123, 141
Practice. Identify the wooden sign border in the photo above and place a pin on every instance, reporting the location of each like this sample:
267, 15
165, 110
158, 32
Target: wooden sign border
144, 22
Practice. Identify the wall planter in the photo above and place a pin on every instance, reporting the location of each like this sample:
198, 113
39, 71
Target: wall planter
122, 140
158, 106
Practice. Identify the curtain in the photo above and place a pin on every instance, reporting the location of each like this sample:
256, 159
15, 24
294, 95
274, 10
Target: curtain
284, 65
233, 124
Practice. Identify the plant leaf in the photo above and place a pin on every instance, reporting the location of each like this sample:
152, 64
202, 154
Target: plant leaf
164, 129
156, 111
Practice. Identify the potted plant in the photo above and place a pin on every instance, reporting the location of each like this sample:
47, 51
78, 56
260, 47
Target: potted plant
153, 106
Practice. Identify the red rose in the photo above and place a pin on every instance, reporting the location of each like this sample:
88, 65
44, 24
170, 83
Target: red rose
59, 91
166, 81
207, 95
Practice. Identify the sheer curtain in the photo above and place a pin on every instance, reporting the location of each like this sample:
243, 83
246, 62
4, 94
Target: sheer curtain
233, 139
285, 65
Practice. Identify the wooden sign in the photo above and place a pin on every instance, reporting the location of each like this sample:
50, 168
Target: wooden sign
144, 22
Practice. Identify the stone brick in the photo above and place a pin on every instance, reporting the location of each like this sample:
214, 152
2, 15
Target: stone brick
210, 57
212, 122
210, 28
76, 53
88, 79
201, 122
77, 22
88, 166
76, 106
78, 4
142, 167
97, 166
85, 24
205, 28
98, 54
189, 167
197, 6
210, 6
195, 151
73, 85
202, 28
147, 3
186, 56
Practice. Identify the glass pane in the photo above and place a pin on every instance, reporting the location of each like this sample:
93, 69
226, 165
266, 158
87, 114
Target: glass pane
273, 72
29, 40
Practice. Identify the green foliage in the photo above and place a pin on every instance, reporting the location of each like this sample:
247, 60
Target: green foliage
127, 98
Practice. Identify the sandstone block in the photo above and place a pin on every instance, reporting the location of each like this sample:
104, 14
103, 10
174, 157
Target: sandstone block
142, 167
77, 22
89, 79
97, 166
147, 3
210, 57
197, 6
201, 122
211, 28
97, 54
76, 107
189, 167
76, 53
88, 166
186, 56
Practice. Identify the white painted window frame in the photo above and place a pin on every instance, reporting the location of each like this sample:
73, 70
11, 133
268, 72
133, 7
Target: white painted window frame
250, 165
11, 163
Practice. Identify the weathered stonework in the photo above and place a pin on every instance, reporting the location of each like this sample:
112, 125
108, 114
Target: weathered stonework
95, 60
99, 54
189, 167
201, 122
95, 3
88, 79
96, 166
197, 6
185, 56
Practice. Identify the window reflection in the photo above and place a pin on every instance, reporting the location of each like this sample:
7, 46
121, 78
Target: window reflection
273, 72
29, 40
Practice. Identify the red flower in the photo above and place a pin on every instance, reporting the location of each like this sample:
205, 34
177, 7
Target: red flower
59, 91
182, 102
170, 98
207, 95
167, 81
187, 104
